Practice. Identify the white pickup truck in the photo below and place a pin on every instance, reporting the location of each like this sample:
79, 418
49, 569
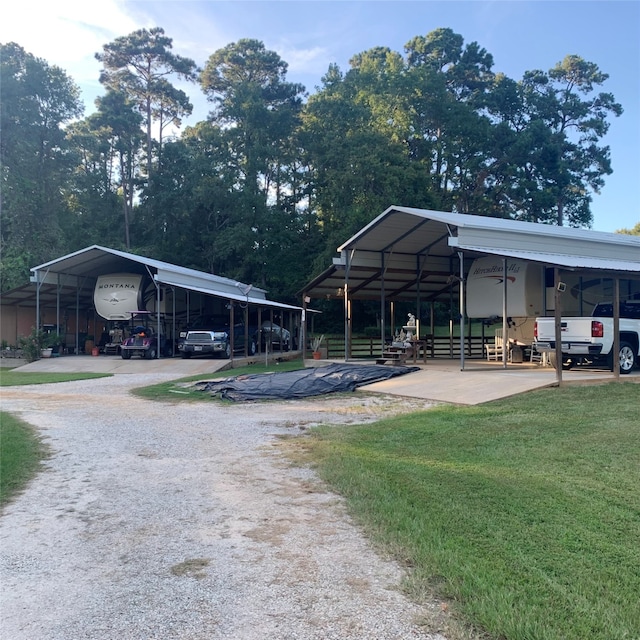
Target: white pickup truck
590, 340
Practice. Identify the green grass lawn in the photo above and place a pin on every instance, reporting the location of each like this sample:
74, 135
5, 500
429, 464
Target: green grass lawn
523, 513
20, 455
10, 377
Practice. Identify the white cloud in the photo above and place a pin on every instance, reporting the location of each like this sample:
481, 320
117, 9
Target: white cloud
304, 61
67, 33
64, 31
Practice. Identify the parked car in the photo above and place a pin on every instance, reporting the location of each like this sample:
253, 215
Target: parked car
200, 323
216, 342
275, 336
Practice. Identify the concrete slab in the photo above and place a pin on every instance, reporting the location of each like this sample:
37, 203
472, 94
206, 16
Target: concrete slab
116, 365
443, 381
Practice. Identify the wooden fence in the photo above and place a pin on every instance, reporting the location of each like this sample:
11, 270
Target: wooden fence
437, 347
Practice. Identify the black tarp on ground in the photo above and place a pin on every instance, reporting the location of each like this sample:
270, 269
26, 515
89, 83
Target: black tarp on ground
302, 383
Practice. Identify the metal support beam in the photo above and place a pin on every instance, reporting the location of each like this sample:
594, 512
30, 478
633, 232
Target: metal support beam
462, 308
616, 329
505, 322
346, 307
558, 323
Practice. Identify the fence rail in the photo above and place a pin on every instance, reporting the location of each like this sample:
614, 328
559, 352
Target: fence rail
437, 347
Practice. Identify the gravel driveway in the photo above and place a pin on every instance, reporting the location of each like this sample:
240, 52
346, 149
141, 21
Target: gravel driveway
154, 520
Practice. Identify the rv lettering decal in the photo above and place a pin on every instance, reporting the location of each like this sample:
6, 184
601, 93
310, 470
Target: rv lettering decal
116, 285
511, 268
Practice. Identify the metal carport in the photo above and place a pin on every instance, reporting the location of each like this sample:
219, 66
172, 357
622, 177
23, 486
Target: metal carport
68, 283
418, 254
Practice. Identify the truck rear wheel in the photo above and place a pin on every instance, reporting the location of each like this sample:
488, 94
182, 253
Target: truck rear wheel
567, 363
627, 357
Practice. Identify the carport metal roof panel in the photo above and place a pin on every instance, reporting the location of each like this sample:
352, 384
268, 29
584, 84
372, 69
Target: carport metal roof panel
417, 231
96, 260
71, 279
416, 251
552, 259
236, 296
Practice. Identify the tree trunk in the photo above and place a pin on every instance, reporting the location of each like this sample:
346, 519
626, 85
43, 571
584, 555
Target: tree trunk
560, 213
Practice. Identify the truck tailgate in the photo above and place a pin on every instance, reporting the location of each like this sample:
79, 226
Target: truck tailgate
572, 329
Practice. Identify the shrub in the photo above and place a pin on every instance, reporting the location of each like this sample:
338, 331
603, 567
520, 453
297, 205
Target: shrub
33, 344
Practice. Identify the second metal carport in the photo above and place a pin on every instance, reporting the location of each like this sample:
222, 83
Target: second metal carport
67, 283
420, 255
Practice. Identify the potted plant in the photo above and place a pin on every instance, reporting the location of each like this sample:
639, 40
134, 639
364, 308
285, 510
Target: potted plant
50, 345
316, 341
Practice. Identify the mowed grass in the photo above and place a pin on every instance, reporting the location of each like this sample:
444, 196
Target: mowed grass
11, 377
21, 452
524, 513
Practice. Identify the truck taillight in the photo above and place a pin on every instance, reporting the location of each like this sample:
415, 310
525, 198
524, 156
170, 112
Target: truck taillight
535, 330
597, 329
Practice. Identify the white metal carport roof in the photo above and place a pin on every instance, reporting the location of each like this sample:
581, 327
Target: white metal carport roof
407, 252
233, 296
72, 277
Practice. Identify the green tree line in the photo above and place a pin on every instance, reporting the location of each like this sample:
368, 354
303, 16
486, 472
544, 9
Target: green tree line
274, 179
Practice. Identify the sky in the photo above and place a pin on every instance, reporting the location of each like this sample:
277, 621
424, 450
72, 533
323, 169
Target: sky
309, 35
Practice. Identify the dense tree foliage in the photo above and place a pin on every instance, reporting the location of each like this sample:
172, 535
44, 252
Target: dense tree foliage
274, 180
635, 231
137, 66
38, 100
256, 112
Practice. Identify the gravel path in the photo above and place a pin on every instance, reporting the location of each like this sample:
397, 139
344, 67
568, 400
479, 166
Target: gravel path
154, 520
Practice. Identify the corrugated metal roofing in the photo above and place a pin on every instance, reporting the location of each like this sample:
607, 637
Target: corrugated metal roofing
71, 278
409, 252
234, 296
400, 225
568, 262
96, 260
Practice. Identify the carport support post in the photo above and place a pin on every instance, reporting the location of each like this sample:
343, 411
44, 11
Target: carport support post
173, 327
505, 323
77, 348
462, 309
558, 323
345, 306
616, 329
39, 282
303, 326
58, 287
158, 297
231, 332
38, 301
382, 303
